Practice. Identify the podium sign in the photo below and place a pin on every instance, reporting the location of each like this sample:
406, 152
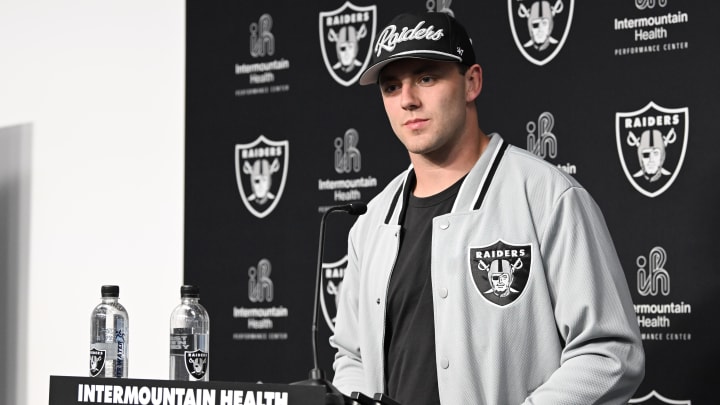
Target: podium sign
87, 390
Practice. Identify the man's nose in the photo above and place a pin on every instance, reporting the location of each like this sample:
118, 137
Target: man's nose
409, 98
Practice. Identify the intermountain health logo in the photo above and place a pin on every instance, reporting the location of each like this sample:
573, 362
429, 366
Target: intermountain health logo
652, 278
261, 171
651, 144
264, 319
262, 40
659, 316
263, 72
439, 6
653, 26
540, 27
347, 155
347, 160
346, 38
542, 142
260, 285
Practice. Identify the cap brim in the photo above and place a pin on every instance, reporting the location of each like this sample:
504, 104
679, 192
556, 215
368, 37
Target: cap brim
370, 76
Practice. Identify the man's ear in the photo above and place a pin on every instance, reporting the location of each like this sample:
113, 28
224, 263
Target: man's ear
473, 82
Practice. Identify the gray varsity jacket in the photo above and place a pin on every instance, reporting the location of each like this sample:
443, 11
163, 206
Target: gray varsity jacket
531, 305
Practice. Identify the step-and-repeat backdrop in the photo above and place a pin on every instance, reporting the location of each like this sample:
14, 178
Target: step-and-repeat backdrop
621, 94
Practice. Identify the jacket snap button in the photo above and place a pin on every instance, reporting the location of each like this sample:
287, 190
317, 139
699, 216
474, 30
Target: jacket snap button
444, 225
444, 363
443, 293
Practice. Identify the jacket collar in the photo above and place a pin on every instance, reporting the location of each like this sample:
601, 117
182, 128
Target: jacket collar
474, 187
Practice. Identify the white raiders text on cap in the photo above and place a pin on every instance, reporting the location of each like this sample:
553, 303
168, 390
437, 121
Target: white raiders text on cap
434, 36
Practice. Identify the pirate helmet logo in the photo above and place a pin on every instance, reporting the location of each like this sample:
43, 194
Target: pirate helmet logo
651, 143
540, 27
500, 271
196, 363
346, 38
97, 361
331, 285
261, 170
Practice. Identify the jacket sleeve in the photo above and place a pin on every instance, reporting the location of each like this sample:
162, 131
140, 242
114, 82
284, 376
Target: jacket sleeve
602, 361
348, 365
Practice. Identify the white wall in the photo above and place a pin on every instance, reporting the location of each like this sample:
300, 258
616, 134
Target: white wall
102, 83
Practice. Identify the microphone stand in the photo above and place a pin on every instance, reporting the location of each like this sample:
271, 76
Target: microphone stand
317, 375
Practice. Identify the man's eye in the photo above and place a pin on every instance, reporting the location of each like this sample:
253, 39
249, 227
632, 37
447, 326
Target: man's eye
426, 80
389, 88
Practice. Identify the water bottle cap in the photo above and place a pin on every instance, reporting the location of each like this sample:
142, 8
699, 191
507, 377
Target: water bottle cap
112, 291
189, 291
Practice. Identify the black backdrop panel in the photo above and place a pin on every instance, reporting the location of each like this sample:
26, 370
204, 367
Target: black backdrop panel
277, 130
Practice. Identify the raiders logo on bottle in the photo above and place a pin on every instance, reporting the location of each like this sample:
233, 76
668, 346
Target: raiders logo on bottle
196, 363
97, 361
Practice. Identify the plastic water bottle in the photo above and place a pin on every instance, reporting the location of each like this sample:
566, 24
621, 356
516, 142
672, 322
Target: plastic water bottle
109, 336
190, 338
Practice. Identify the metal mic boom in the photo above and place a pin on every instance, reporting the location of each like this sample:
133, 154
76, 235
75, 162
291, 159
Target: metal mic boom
317, 376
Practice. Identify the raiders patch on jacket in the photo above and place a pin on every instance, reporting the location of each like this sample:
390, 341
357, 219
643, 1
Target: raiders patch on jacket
500, 271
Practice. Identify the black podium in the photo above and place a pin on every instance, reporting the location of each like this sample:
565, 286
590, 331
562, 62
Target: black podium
87, 390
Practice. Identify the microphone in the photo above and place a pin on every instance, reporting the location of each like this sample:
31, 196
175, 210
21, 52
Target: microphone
317, 375
354, 208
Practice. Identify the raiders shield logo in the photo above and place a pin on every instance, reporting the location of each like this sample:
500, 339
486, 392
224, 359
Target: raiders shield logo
331, 282
500, 271
261, 169
540, 27
651, 143
346, 38
196, 363
653, 398
97, 361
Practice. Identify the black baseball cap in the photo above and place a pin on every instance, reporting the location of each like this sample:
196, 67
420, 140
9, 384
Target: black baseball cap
430, 35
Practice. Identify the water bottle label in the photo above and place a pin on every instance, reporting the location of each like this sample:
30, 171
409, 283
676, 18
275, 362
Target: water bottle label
110, 349
97, 361
196, 363
121, 353
180, 342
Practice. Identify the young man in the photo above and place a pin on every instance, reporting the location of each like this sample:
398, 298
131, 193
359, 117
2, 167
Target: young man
482, 274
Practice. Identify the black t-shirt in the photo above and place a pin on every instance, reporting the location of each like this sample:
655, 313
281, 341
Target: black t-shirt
410, 368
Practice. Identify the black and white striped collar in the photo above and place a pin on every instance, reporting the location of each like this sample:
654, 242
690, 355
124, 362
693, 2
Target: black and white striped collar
473, 190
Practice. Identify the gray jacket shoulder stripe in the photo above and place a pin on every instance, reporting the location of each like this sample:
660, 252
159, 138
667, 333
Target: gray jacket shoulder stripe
490, 176
404, 190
